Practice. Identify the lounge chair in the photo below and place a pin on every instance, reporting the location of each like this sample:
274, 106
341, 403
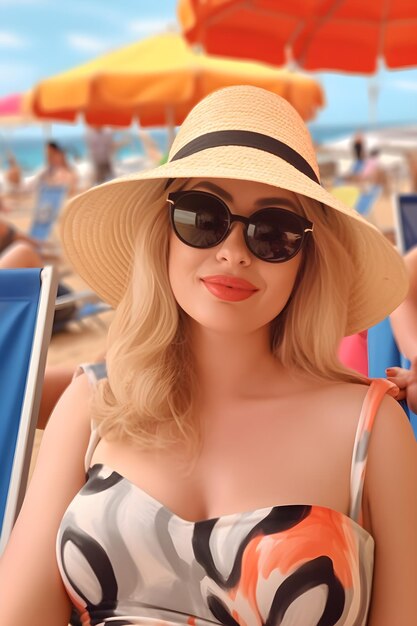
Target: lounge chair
50, 200
405, 220
361, 199
86, 304
367, 199
27, 303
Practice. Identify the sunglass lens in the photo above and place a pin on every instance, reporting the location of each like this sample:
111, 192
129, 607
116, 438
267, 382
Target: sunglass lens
199, 220
275, 234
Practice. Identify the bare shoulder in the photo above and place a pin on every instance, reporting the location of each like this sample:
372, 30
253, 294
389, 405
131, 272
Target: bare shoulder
389, 505
75, 401
390, 419
392, 446
333, 389
59, 470
67, 435
341, 399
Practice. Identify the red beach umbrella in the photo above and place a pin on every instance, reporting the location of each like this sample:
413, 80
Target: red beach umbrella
346, 35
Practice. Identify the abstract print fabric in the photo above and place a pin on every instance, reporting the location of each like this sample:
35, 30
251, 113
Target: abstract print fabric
126, 559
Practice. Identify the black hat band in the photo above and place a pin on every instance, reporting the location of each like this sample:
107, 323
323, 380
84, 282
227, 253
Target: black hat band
248, 139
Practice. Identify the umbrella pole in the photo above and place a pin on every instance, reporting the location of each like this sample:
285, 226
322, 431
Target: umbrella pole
170, 122
47, 131
6, 144
373, 93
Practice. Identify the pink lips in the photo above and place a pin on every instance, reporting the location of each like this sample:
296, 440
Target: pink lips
229, 288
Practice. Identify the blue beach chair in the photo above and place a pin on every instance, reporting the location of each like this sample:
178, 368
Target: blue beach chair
87, 304
27, 304
363, 200
405, 220
382, 353
48, 206
367, 199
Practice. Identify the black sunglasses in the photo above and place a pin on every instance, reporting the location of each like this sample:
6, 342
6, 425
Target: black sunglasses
202, 220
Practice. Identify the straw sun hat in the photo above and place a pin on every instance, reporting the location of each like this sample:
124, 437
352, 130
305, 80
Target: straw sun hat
242, 133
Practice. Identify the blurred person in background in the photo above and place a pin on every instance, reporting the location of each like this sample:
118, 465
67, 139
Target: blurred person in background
371, 167
9, 235
10, 181
12, 175
22, 251
404, 327
353, 351
58, 171
154, 156
368, 170
101, 148
359, 153
411, 160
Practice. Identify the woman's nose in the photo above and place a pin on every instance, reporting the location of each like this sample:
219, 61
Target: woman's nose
233, 249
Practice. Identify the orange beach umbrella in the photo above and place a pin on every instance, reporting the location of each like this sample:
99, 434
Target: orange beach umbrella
158, 80
347, 35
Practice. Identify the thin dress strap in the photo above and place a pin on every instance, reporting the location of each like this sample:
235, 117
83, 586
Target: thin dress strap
94, 372
376, 392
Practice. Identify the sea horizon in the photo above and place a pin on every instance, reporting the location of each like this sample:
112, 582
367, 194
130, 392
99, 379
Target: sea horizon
29, 150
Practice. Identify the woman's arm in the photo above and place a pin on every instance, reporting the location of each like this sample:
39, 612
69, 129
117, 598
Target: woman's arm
404, 326
57, 379
391, 499
31, 590
404, 318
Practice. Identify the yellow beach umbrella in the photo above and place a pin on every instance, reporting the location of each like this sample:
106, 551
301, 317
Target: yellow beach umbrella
158, 80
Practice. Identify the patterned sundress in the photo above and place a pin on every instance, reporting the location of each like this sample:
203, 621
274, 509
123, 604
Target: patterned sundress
125, 558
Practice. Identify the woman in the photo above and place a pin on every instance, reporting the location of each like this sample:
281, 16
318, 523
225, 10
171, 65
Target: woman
58, 171
403, 322
221, 486
10, 235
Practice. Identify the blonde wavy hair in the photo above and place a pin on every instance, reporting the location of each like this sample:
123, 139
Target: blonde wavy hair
149, 395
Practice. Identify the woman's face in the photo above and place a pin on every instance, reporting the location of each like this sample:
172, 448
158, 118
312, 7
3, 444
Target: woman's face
226, 288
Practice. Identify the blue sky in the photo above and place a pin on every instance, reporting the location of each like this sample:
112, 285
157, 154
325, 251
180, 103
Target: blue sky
39, 38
